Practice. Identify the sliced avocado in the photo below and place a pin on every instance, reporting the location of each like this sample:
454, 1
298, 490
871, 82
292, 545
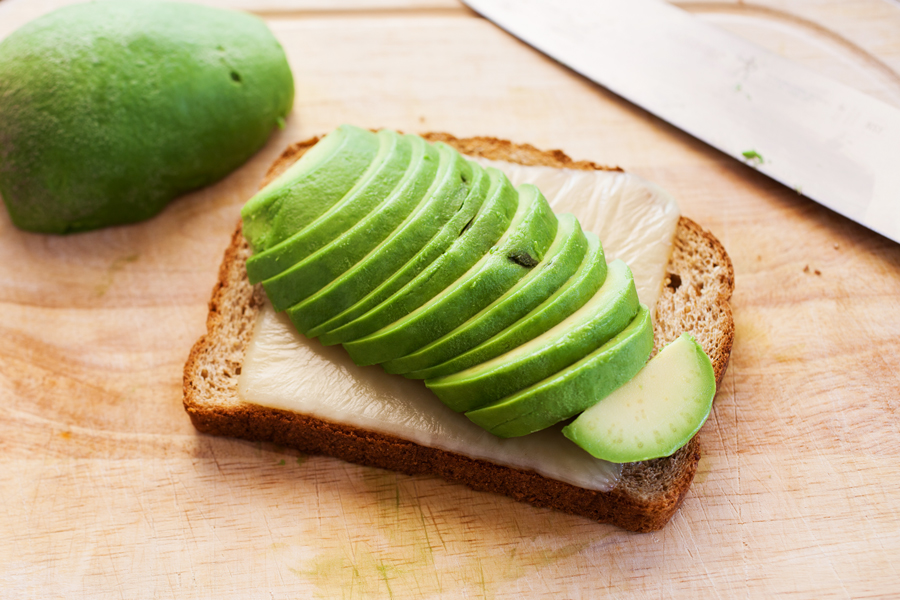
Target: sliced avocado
309, 187
327, 263
343, 280
602, 317
320, 309
563, 258
580, 288
520, 249
654, 414
375, 311
575, 388
375, 185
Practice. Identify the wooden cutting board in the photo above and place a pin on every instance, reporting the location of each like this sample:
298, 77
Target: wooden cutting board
106, 490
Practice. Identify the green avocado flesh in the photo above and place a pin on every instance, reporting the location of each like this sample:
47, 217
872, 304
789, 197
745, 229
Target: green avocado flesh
375, 184
441, 205
567, 299
109, 110
437, 268
573, 389
410, 200
602, 317
521, 249
308, 188
654, 414
353, 292
562, 259
376, 311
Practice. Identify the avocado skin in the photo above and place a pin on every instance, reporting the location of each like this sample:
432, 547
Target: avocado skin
109, 110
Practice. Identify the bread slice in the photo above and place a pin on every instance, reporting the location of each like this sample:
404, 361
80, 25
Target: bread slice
698, 285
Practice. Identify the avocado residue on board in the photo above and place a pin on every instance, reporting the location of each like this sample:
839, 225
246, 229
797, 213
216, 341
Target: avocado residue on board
754, 156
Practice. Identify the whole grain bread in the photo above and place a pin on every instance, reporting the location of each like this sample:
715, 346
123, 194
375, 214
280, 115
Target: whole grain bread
698, 285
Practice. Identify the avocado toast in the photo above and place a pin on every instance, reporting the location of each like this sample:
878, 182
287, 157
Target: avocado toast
694, 300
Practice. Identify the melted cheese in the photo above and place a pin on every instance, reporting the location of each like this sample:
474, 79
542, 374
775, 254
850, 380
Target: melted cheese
636, 222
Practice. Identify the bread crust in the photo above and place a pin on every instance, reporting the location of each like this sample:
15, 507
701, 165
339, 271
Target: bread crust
648, 493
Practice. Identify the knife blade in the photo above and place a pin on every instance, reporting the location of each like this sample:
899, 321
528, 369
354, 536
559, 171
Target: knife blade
835, 145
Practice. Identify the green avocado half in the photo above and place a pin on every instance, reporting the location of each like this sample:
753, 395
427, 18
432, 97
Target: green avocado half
109, 110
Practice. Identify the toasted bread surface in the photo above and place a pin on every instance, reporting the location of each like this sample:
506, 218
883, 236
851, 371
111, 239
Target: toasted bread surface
699, 283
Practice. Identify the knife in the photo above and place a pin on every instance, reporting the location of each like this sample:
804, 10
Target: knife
827, 141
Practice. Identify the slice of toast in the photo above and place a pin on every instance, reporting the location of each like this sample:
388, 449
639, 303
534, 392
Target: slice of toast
698, 285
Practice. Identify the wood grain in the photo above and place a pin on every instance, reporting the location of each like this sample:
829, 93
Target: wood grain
106, 491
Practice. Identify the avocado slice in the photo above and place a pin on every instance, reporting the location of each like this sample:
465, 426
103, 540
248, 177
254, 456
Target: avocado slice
520, 249
654, 414
309, 187
375, 185
563, 258
376, 311
318, 313
580, 288
327, 263
575, 388
352, 265
352, 288
602, 317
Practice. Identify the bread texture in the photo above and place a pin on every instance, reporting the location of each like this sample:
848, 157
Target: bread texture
698, 285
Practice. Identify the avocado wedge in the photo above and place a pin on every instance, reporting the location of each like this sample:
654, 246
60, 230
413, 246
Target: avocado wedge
375, 185
380, 309
575, 388
602, 317
654, 414
580, 288
563, 258
327, 263
521, 249
309, 187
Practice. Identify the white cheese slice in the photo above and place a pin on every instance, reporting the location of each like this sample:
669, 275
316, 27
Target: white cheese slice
634, 218
282, 369
636, 222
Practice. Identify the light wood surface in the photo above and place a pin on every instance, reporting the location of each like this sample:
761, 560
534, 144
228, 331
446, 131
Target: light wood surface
106, 491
